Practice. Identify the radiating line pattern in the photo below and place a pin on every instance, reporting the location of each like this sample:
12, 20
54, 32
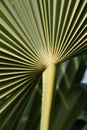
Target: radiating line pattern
35, 33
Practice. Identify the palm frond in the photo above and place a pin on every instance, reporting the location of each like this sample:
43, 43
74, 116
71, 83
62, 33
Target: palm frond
34, 34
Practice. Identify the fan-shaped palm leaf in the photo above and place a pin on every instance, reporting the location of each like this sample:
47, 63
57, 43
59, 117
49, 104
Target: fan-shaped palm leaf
37, 35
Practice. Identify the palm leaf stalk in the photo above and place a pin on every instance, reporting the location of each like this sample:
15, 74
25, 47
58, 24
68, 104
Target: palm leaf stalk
49, 79
35, 37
